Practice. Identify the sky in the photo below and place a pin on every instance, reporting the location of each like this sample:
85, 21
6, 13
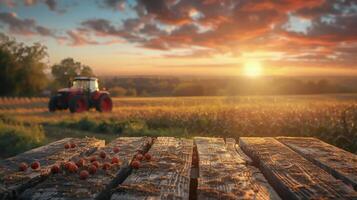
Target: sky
192, 37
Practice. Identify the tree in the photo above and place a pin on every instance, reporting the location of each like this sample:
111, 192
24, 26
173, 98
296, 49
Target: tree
22, 68
67, 69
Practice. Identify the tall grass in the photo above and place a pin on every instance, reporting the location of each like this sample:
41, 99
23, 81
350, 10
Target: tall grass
332, 118
17, 138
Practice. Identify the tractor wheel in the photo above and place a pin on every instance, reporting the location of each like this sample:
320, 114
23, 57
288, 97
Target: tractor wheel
52, 104
104, 104
78, 104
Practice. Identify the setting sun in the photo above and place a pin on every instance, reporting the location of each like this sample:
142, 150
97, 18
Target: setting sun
253, 69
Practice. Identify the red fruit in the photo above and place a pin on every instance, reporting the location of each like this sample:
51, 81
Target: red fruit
55, 169
67, 146
92, 169
92, 159
116, 149
35, 165
81, 162
23, 166
115, 160
102, 154
68, 164
96, 164
135, 164
106, 166
139, 156
83, 174
147, 156
72, 167
73, 145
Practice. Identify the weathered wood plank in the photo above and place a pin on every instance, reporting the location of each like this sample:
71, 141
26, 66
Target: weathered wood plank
257, 179
223, 174
337, 162
69, 186
166, 176
291, 175
14, 182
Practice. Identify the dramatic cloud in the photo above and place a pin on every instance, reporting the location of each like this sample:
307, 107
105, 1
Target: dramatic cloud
24, 26
320, 31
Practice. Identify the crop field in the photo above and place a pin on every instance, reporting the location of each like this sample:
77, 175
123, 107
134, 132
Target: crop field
26, 123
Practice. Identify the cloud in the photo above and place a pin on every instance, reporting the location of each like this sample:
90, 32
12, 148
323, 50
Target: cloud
51, 4
113, 4
8, 3
24, 26
234, 26
78, 39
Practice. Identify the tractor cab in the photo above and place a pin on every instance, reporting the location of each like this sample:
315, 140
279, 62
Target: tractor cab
86, 84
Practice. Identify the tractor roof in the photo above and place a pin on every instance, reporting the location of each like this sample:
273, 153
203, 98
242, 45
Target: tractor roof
86, 78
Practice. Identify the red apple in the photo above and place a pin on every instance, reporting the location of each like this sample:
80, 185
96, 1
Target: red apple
55, 169
35, 165
23, 166
106, 166
83, 174
115, 160
135, 164
139, 156
116, 149
147, 156
102, 154
73, 145
81, 162
72, 168
96, 163
92, 169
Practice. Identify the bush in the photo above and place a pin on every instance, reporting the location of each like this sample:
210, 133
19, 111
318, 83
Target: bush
15, 139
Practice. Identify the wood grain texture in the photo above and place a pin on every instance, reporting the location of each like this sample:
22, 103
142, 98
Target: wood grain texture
166, 176
337, 162
14, 182
257, 179
69, 186
223, 174
291, 175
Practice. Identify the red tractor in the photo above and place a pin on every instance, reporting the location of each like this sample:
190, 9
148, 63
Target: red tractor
83, 95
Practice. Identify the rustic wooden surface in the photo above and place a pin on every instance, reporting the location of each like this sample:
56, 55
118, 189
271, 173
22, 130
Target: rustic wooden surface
223, 174
13, 181
258, 181
291, 175
257, 168
166, 176
70, 186
341, 164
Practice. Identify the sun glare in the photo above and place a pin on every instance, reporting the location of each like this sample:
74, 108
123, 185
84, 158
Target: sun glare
253, 69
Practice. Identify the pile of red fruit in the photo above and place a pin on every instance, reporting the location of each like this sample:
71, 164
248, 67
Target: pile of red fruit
34, 166
89, 166
139, 157
70, 145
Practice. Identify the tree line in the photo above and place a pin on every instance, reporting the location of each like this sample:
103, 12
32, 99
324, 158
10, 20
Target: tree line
24, 71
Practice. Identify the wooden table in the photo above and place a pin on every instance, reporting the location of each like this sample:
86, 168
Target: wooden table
186, 168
